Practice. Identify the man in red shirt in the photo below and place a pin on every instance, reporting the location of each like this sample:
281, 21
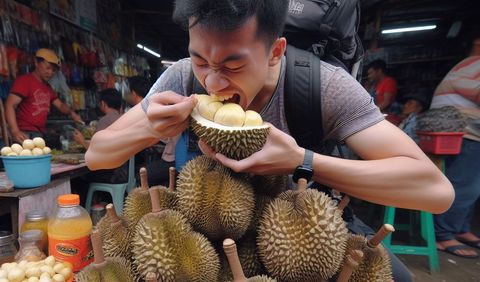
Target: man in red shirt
384, 88
31, 95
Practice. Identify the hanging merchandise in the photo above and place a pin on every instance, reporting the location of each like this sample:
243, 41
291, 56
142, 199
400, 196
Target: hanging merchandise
76, 52
22, 62
4, 71
12, 54
67, 49
33, 46
59, 85
77, 75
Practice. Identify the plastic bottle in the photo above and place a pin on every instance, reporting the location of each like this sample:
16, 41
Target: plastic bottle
69, 231
37, 219
30, 246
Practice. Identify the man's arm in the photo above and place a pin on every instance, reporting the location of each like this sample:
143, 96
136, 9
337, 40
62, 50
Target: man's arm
10, 104
78, 136
387, 101
66, 110
167, 116
394, 172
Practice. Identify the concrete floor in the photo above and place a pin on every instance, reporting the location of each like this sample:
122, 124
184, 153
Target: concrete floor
452, 268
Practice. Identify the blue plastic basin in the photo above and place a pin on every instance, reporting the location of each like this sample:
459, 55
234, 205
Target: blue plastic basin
28, 172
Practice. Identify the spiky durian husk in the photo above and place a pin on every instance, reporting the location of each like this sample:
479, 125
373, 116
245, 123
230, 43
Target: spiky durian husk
234, 142
103, 226
261, 278
118, 270
269, 185
375, 265
164, 243
118, 242
261, 202
215, 203
302, 240
138, 204
89, 274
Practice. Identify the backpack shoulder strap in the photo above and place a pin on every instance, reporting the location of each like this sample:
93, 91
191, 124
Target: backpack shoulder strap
302, 98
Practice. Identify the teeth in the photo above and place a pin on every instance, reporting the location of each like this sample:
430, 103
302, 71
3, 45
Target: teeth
221, 98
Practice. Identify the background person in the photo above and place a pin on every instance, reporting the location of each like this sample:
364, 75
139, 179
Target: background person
413, 106
384, 87
461, 88
28, 103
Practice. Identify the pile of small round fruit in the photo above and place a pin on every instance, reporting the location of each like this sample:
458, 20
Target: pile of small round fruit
29, 147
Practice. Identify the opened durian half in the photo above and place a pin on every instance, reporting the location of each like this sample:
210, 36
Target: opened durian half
227, 128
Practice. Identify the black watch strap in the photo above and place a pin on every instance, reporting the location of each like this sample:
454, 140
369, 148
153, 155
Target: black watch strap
305, 170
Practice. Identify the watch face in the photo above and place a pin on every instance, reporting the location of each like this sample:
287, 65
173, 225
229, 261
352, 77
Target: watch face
302, 172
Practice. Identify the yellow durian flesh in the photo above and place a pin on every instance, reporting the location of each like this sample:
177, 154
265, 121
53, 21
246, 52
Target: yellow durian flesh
208, 110
252, 118
230, 115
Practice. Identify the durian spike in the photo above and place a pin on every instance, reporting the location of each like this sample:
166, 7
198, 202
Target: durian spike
343, 203
352, 261
97, 247
386, 230
151, 277
172, 179
230, 249
302, 185
154, 196
111, 212
144, 179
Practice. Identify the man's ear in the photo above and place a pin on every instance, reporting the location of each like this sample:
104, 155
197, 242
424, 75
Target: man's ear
277, 50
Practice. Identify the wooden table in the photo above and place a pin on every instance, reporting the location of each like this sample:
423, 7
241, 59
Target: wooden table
19, 201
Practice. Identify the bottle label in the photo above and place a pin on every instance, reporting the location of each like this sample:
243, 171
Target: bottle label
78, 252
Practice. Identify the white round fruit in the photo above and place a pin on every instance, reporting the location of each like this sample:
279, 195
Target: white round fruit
26, 153
39, 142
46, 150
12, 154
37, 152
17, 148
6, 151
28, 144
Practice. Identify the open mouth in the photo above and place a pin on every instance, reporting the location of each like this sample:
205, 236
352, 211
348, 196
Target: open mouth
234, 98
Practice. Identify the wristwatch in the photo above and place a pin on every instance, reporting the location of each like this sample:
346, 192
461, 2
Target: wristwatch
305, 170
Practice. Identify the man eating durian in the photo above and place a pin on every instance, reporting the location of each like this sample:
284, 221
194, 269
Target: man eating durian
238, 56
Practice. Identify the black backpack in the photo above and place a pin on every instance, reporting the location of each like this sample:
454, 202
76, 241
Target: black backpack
317, 29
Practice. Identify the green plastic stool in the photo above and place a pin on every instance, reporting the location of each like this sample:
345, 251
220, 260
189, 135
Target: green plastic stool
427, 232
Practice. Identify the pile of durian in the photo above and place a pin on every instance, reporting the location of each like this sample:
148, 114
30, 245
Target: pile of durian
212, 224
185, 232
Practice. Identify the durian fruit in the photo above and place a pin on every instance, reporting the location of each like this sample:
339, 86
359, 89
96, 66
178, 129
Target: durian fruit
351, 262
112, 269
117, 242
217, 204
303, 238
227, 133
230, 249
375, 266
138, 203
164, 243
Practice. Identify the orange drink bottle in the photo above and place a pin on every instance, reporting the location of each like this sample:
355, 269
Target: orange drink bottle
69, 231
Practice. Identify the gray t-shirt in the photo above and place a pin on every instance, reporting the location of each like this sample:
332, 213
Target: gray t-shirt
347, 108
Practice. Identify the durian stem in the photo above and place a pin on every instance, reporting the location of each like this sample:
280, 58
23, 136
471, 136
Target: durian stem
302, 185
386, 230
97, 247
230, 249
151, 277
155, 197
112, 213
172, 177
144, 179
343, 203
351, 262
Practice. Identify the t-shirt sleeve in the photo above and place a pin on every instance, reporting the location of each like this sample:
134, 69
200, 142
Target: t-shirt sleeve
20, 87
347, 108
175, 79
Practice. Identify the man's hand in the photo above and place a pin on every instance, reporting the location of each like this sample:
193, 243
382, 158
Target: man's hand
78, 136
19, 137
280, 155
76, 117
168, 113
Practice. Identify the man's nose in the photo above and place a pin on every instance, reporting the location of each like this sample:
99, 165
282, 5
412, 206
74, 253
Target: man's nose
215, 82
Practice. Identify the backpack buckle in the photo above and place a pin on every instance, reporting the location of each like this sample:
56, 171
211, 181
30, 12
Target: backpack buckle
319, 49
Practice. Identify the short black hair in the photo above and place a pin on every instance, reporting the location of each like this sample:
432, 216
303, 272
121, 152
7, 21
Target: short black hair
378, 65
112, 97
230, 15
139, 84
40, 59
